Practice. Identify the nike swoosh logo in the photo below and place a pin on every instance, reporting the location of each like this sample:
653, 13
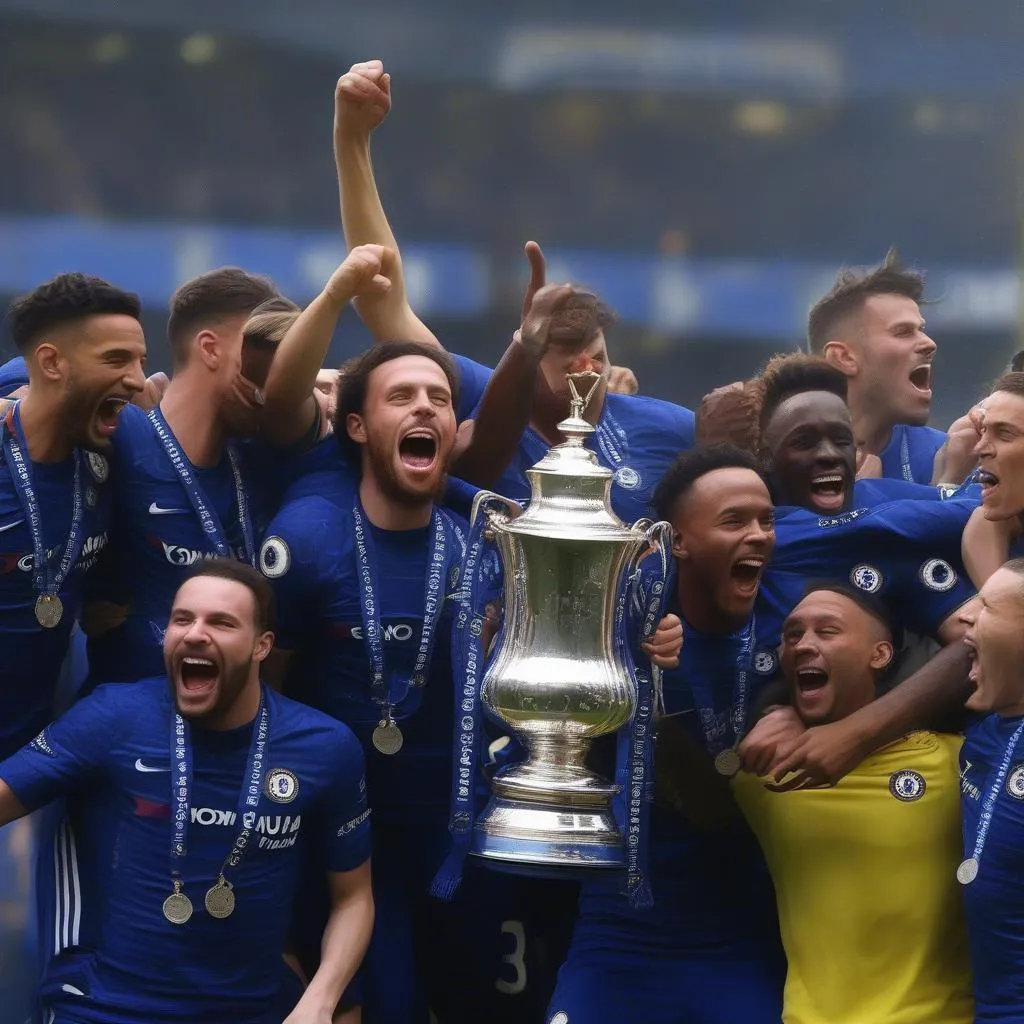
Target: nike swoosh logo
156, 510
11, 526
141, 766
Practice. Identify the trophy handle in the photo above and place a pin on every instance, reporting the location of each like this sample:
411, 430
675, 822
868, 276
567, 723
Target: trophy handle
482, 498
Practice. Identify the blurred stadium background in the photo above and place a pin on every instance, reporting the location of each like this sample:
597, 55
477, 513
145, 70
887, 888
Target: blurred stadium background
705, 166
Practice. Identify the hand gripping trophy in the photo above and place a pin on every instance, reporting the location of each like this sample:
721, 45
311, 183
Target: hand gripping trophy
562, 674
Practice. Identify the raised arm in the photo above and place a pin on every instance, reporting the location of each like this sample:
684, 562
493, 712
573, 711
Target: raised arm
362, 100
288, 395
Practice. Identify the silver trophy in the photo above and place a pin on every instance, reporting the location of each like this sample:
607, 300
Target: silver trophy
558, 681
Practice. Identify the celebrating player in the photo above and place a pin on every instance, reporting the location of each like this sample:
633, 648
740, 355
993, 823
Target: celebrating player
84, 349
636, 437
869, 326
864, 871
200, 791
708, 949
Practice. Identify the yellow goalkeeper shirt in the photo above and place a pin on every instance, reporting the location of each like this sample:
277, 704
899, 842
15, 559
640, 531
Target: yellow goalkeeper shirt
865, 880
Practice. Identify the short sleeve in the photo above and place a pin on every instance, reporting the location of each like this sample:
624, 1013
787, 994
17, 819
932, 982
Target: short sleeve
473, 378
67, 751
290, 558
683, 425
344, 815
931, 588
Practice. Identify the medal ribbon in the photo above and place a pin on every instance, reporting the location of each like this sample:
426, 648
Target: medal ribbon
905, 468
635, 742
248, 799
208, 518
989, 803
716, 737
45, 582
468, 667
433, 604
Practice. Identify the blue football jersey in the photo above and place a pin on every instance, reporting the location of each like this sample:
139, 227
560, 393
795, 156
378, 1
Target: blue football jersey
309, 556
637, 438
714, 911
113, 750
13, 375
910, 453
33, 655
907, 553
473, 378
994, 901
156, 537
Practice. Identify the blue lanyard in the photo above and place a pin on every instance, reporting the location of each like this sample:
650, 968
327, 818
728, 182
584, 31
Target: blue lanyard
373, 633
716, 735
181, 788
208, 519
44, 580
988, 807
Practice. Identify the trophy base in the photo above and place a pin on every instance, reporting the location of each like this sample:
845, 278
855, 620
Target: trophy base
568, 827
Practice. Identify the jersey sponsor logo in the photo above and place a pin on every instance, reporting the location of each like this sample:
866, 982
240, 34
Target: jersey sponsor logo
182, 556
282, 786
866, 578
400, 632
907, 785
937, 574
275, 831
825, 522
1015, 781
159, 510
627, 478
275, 558
765, 662
41, 745
351, 826
98, 466
141, 766
91, 551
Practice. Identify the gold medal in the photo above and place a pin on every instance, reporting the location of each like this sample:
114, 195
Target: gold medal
968, 871
387, 737
177, 906
49, 610
220, 899
727, 762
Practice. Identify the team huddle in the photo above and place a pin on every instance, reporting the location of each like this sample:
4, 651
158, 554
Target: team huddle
236, 605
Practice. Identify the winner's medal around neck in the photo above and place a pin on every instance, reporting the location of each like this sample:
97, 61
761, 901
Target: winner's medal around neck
387, 737
727, 762
220, 899
177, 906
49, 610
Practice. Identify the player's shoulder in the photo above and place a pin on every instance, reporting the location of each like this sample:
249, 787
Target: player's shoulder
305, 529
322, 743
927, 435
655, 413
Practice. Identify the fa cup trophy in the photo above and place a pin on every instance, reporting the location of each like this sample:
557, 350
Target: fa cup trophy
559, 679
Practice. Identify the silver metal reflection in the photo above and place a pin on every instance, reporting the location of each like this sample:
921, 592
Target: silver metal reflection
557, 680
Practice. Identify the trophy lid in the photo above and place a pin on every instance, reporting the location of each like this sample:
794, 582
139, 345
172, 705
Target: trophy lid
571, 490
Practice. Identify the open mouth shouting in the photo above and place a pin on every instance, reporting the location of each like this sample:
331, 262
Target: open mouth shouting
197, 679
811, 686
746, 573
107, 413
418, 451
989, 482
828, 490
921, 379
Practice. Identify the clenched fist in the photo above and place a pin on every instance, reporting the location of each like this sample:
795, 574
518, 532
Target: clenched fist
362, 98
364, 272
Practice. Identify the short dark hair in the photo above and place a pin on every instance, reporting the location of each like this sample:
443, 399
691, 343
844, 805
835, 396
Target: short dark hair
786, 376
691, 466
1012, 383
354, 377
210, 299
265, 607
850, 290
866, 602
64, 300
1017, 362
578, 322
